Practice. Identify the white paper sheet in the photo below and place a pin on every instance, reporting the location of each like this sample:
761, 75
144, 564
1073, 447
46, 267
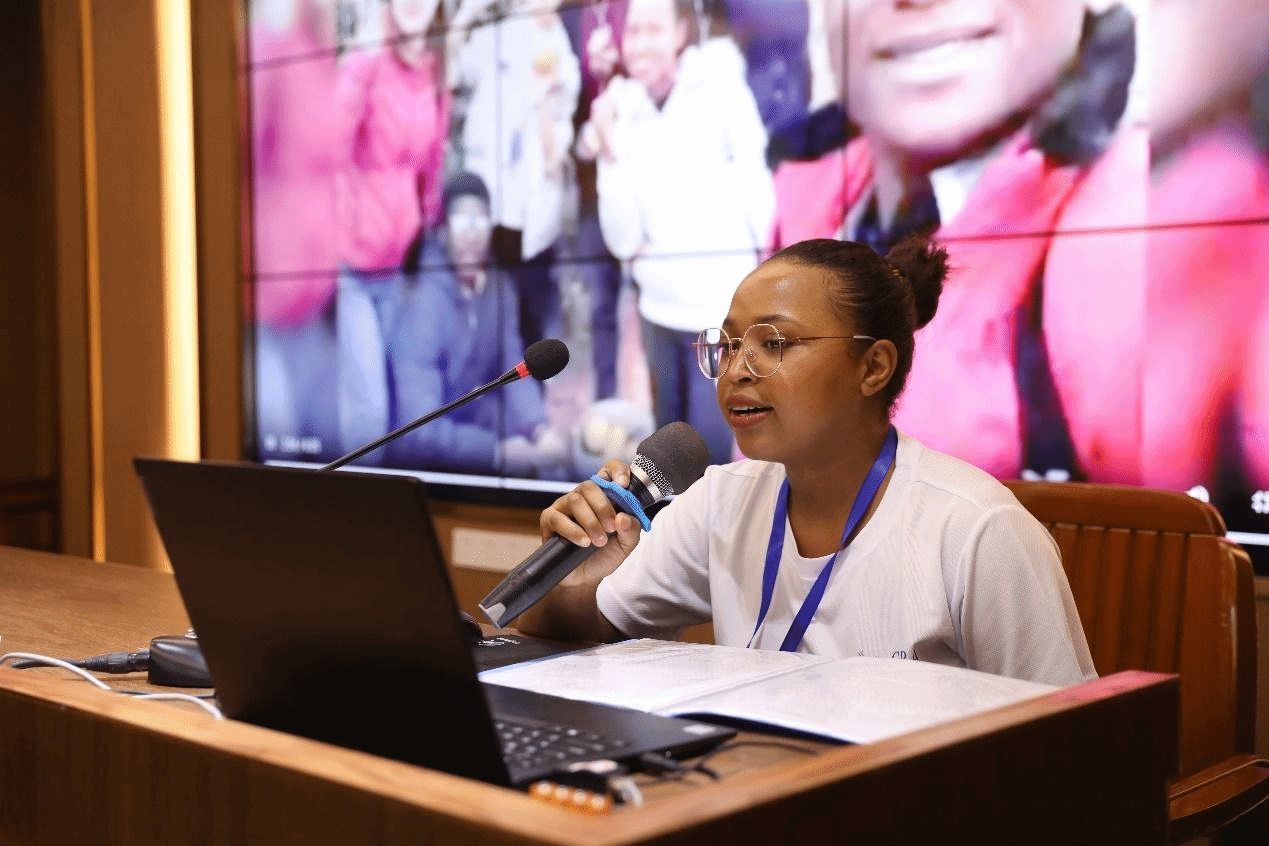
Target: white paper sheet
852, 699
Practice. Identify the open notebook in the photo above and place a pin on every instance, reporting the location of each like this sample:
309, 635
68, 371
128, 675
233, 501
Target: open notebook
324, 609
857, 700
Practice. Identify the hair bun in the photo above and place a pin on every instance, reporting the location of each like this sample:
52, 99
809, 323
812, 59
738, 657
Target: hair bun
923, 263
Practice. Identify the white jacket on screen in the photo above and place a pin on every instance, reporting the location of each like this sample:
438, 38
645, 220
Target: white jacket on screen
686, 196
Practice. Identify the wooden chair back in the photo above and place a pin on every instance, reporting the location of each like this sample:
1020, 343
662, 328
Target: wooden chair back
1159, 588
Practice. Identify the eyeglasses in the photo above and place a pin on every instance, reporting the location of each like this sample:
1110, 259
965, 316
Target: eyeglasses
762, 344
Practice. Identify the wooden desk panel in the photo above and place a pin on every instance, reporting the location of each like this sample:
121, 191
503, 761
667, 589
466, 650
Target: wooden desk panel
1085, 765
72, 607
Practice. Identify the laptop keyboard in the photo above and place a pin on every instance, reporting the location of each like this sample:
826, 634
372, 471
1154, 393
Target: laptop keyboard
528, 744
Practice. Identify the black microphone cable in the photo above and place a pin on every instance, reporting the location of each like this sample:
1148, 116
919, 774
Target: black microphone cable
109, 662
170, 661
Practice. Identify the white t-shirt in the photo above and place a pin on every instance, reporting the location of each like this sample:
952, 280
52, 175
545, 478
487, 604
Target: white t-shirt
950, 568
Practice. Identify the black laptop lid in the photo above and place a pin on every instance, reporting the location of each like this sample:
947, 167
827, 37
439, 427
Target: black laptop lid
324, 609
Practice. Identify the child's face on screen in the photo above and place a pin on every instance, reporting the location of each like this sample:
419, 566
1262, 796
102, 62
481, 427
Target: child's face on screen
469, 229
932, 77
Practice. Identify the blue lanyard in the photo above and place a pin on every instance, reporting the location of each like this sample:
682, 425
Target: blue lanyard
775, 546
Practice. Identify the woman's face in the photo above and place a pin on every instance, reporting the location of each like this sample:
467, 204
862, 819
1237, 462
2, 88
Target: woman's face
412, 17
802, 412
651, 42
933, 77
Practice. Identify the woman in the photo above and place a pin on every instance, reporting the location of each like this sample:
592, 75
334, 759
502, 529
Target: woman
936, 561
1205, 420
995, 123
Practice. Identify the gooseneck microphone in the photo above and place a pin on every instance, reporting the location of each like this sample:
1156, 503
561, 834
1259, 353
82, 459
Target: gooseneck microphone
542, 360
667, 462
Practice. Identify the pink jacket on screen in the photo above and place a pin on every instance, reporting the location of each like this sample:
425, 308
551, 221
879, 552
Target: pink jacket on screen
961, 397
294, 162
1207, 330
394, 123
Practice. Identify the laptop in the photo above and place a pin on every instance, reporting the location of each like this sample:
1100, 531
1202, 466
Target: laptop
324, 609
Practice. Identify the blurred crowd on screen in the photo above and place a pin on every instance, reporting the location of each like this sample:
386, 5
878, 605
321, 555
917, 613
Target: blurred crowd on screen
439, 183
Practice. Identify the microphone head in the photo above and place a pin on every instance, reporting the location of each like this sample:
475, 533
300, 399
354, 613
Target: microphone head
545, 358
673, 457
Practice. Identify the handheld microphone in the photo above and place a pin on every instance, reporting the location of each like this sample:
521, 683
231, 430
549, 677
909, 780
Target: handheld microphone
542, 360
667, 462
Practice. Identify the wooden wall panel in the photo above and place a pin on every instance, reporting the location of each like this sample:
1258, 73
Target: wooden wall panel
28, 407
129, 212
103, 103
64, 131
217, 29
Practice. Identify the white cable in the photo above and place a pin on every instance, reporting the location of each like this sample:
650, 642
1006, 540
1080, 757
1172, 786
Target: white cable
56, 662
84, 674
181, 697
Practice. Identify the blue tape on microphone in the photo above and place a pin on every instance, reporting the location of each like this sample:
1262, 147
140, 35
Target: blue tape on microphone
625, 500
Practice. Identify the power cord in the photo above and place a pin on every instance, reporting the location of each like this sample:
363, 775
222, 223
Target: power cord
665, 768
662, 768
110, 662
32, 659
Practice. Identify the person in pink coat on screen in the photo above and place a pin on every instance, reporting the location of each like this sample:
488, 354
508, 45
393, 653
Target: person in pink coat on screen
294, 166
294, 159
394, 116
1205, 415
995, 123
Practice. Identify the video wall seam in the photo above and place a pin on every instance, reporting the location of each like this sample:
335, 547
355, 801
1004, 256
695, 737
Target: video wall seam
436, 184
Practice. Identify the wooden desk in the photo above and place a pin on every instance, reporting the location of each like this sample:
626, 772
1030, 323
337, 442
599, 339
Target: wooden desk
1088, 764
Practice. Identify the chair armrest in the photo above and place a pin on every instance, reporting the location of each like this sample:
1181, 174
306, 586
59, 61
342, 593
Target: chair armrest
1203, 803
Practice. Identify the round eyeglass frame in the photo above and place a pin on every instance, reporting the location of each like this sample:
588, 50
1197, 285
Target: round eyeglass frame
704, 348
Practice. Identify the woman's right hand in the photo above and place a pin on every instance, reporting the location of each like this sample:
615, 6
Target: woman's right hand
586, 517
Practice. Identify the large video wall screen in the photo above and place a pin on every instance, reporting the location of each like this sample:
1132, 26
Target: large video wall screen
437, 184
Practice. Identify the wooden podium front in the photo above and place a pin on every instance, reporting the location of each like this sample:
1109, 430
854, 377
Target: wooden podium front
1087, 764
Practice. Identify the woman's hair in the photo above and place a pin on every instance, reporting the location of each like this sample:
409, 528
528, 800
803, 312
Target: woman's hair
888, 297
1076, 123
